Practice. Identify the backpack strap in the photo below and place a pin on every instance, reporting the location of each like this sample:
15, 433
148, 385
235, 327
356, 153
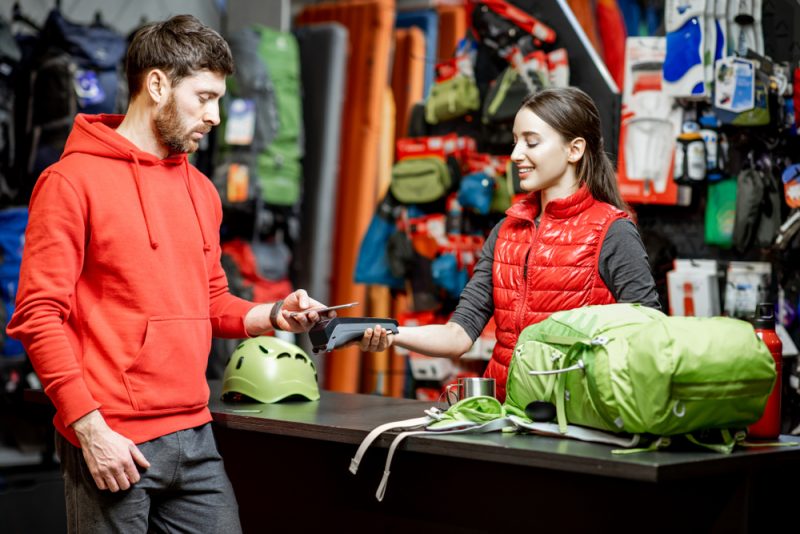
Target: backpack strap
661, 443
372, 436
495, 425
576, 432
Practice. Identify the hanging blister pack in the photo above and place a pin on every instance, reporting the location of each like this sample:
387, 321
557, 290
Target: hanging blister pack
744, 26
690, 154
741, 93
791, 185
686, 46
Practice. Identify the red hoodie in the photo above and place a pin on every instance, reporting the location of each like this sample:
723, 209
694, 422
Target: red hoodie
121, 286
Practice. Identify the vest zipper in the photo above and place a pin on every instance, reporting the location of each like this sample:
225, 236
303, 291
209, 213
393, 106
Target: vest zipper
522, 307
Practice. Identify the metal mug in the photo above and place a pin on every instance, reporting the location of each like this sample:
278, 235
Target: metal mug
470, 386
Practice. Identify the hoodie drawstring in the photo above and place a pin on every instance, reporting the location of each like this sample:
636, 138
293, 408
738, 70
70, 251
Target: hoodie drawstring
140, 190
188, 181
138, 180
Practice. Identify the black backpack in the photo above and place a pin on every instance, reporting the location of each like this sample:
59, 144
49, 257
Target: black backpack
75, 69
758, 209
9, 63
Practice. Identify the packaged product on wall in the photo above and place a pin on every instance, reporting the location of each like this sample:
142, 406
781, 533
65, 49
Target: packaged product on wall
649, 126
687, 42
747, 283
693, 288
791, 185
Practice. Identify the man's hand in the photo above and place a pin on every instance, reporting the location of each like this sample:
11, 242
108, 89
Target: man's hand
110, 456
257, 321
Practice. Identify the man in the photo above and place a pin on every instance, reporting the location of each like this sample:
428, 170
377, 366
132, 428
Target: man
121, 290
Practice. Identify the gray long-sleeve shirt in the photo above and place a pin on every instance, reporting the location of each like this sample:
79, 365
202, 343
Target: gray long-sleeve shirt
623, 266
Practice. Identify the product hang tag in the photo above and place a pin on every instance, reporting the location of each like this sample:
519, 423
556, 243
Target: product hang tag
735, 84
88, 88
238, 182
791, 185
241, 123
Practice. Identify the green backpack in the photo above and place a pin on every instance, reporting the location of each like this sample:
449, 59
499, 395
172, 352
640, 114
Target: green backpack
262, 121
418, 180
629, 368
451, 99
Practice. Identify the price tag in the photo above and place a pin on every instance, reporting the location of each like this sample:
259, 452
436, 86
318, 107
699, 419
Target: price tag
88, 88
238, 182
241, 124
735, 87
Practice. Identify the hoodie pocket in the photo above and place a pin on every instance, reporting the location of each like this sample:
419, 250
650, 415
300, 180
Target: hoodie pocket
169, 372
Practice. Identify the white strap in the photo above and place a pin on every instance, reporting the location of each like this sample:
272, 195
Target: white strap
576, 432
490, 426
362, 449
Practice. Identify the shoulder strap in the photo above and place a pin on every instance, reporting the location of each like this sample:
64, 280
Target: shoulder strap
491, 426
576, 432
373, 435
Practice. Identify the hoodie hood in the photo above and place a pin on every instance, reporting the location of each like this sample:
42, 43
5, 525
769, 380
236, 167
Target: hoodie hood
96, 135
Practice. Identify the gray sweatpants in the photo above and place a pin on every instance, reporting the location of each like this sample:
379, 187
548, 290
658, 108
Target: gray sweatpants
185, 489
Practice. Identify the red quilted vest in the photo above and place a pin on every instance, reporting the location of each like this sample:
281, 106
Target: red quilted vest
539, 271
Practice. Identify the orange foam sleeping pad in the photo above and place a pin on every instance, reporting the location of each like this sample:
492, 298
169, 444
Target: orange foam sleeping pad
370, 24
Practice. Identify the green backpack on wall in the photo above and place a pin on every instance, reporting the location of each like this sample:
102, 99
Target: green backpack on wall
261, 132
629, 368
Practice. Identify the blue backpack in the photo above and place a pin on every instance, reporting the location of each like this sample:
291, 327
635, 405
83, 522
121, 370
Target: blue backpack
75, 69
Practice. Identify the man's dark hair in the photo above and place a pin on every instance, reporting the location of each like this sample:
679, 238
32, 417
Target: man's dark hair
180, 47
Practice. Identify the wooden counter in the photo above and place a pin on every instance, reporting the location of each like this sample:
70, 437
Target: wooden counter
289, 466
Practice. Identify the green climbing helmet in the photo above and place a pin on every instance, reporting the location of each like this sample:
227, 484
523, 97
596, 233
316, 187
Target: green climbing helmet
269, 369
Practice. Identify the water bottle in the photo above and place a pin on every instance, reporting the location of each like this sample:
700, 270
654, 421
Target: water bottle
769, 426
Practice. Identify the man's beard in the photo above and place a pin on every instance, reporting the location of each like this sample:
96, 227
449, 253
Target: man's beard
171, 131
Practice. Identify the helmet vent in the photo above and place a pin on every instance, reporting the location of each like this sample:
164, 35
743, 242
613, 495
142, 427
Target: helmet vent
299, 356
284, 355
262, 349
239, 363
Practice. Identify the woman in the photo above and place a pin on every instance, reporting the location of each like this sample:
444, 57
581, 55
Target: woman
569, 243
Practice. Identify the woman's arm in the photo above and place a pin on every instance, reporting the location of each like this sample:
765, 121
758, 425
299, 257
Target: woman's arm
624, 266
440, 340
453, 339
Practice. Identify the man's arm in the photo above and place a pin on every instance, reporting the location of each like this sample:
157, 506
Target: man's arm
51, 264
52, 261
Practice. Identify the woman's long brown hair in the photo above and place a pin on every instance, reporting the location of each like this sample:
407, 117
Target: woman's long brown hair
573, 113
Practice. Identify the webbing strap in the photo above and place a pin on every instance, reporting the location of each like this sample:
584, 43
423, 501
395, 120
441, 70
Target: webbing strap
727, 445
660, 443
490, 426
576, 432
564, 340
407, 423
756, 444
505, 84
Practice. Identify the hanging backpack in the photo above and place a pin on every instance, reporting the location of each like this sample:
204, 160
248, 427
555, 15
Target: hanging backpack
75, 69
419, 180
9, 61
13, 222
372, 264
261, 132
758, 210
451, 98
720, 213
505, 96
629, 368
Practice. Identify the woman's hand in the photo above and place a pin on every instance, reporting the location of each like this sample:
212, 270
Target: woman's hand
376, 339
